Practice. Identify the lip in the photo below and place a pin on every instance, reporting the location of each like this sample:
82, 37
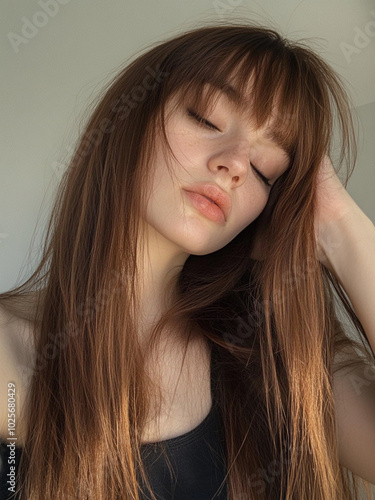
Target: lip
216, 194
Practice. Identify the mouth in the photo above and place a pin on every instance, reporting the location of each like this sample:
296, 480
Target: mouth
209, 199
206, 207
214, 194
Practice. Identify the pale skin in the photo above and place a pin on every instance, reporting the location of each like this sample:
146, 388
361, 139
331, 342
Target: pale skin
175, 228
345, 239
344, 234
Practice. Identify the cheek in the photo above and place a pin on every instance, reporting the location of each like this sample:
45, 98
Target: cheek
179, 138
188, 147
253, 205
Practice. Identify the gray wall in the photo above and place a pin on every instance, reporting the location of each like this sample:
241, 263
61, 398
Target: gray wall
361, 185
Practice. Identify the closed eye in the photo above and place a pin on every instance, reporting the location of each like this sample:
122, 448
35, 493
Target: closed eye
201, 120
261, 176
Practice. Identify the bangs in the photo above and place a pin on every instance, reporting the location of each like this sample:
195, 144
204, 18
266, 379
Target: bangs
269, 83
259, 90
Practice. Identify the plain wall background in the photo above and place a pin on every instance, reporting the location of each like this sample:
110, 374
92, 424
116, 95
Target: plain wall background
57, 54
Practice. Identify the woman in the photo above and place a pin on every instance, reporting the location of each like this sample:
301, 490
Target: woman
160, 317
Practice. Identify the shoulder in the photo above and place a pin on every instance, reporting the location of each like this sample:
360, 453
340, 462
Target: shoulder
16, 361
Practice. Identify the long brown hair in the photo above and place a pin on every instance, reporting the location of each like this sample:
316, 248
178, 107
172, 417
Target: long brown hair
273, 322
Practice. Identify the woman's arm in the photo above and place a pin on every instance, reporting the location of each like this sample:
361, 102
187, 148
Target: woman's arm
346, 246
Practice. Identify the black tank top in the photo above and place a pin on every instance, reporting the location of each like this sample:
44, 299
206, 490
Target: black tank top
197, 459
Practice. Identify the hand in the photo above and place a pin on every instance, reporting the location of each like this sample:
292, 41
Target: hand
333, 203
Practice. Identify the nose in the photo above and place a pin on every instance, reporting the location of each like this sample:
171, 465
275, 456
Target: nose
233, 161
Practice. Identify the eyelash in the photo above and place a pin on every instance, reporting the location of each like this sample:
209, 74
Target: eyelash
210, 125
201, 120
264, 179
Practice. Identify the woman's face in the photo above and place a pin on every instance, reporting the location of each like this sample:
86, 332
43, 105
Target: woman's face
224, 152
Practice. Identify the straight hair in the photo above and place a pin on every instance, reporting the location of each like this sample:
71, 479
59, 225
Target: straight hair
273, 323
